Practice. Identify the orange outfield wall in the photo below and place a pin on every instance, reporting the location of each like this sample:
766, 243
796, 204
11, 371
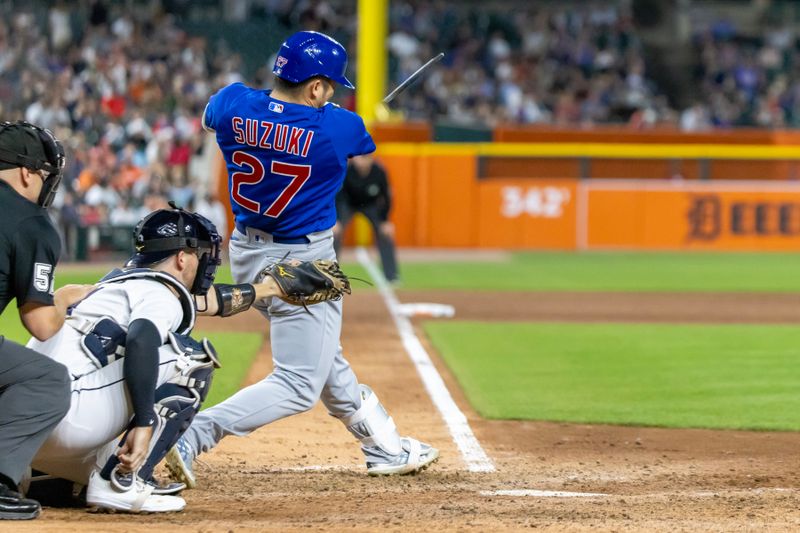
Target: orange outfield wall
616, 168
693, 216
654, 168
438, 201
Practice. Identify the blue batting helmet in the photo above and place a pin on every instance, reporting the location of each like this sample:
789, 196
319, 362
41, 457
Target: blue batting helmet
307, 54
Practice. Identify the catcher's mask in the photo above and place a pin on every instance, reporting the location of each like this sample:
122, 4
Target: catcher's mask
165, 232
24, 145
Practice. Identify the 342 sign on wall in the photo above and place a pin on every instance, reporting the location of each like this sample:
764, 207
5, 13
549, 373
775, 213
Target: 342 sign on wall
541, 202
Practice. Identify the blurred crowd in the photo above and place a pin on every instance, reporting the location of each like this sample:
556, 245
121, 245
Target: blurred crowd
124, 90
124, 85
573, 64
745, 81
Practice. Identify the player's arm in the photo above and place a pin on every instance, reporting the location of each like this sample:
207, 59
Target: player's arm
217, 105
43, 320
140, 371
205, 120
35, 249
226, 300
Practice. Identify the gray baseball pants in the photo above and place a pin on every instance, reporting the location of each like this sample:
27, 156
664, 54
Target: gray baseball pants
307, 356
34, 397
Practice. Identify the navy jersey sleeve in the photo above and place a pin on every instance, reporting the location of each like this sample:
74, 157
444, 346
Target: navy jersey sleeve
219, 103
36, 251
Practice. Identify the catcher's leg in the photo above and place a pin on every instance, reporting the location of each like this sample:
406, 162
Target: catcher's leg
177, 402
386, 451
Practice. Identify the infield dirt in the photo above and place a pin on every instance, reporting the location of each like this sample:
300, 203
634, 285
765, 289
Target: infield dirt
306, 472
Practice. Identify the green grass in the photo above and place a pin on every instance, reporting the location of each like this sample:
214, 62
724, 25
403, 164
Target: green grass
236, 353
721, 376
236, 350
609, 271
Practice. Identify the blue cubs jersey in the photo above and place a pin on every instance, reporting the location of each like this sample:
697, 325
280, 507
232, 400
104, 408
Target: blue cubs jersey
285, 161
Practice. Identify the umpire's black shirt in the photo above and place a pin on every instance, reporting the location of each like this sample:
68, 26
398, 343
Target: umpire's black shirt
29, 250
364, 191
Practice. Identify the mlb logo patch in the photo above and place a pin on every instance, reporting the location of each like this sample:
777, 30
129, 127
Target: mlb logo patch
276, 107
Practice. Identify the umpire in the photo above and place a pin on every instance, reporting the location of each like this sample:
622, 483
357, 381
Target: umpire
34, 389
366, 190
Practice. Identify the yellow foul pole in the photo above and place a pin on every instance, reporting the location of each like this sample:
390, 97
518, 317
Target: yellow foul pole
371, 74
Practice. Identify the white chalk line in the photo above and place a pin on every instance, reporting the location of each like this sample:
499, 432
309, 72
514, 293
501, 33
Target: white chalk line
534, 493
732, 492
471, 450
308, 468
541, 493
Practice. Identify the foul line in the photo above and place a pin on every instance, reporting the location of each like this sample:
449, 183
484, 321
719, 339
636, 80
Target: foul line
308, 468
541, 493
468, 445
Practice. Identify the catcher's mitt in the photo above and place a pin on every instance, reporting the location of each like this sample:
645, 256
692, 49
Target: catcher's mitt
309, 282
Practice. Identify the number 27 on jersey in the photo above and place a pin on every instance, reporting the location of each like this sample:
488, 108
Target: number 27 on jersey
254, 173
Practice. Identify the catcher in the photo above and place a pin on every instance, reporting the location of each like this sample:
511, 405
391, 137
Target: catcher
134, 366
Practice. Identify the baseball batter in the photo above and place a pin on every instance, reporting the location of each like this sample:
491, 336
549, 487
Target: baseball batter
133, 364
286, 151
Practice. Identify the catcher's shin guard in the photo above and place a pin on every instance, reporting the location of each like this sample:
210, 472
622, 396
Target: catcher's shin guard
177, 402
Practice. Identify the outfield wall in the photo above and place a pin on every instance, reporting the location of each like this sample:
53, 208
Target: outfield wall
442, 200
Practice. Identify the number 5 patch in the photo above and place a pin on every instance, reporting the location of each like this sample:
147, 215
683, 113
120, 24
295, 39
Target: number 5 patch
41, 277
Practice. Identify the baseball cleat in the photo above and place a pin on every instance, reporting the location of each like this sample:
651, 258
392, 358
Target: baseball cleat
13, 506
416, 456
179, 463
169, 488
129, 495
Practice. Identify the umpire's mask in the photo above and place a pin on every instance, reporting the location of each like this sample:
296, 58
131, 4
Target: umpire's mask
165, 232
24, 145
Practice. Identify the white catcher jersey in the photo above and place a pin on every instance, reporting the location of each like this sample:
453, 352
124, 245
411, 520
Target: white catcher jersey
144, 298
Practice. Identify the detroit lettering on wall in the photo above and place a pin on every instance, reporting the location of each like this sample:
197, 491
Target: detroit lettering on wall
710, 217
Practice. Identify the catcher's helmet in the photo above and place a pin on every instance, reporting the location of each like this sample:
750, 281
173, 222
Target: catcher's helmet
24, 145
165, 232
307, 54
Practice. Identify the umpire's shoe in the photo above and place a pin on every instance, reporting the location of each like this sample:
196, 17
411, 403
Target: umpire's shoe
14, 507
128, 494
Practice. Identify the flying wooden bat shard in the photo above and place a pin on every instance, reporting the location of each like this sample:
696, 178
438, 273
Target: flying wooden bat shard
411, 79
